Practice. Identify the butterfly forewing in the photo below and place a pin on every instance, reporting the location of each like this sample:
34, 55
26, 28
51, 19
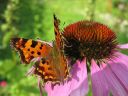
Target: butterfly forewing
58, 35
30, 49
62, 65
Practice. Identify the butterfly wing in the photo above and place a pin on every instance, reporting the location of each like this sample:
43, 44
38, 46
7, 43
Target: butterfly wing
60, 61
30, 49
53, 65
54, 68
46, 68
58, 35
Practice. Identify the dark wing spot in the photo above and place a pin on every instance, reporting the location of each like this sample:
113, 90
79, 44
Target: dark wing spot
47, 62
38, 53
43, 61
32, 52
23, 57
24, 42
34, 43
49, 68
40, 47
31, 57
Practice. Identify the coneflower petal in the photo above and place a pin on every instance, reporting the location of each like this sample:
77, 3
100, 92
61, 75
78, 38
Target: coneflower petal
99, 83
116, 88
123, 57
123, 46
120, 69
82, 90
79, 77
121, 73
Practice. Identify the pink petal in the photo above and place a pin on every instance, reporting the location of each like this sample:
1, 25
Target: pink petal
122, 58
82, 90
120, 69
115, 85
79, 77
123, 46
99, 84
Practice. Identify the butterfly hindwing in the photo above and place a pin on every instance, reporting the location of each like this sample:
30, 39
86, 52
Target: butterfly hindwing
46, 71
53, 68
29, 49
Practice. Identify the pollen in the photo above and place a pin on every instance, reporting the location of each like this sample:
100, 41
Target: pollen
89, 39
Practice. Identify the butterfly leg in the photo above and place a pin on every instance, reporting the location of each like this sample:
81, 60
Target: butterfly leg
40, 85
31, 71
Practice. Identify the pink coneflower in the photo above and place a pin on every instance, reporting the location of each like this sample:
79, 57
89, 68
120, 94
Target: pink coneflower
93, 46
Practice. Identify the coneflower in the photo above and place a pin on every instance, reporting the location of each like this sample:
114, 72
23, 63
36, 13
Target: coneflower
93, 46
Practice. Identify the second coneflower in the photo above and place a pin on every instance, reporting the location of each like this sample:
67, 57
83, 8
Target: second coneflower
93, 45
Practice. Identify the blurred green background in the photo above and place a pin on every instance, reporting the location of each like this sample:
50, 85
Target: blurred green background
34, 19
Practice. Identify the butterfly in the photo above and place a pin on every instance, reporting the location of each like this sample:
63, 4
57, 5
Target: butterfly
52, 65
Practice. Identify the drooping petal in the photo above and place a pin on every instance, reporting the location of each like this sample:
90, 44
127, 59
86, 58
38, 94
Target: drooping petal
83, 88
115, 85
121, 72
122, 58
99, 84
123, 46
79, 77
119, 67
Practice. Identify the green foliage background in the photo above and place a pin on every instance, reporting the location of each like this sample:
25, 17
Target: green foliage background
34, 19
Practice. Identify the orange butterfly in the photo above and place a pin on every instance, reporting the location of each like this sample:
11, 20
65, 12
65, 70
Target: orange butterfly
53, 64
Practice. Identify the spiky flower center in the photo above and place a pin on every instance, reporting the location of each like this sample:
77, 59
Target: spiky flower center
89, 39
